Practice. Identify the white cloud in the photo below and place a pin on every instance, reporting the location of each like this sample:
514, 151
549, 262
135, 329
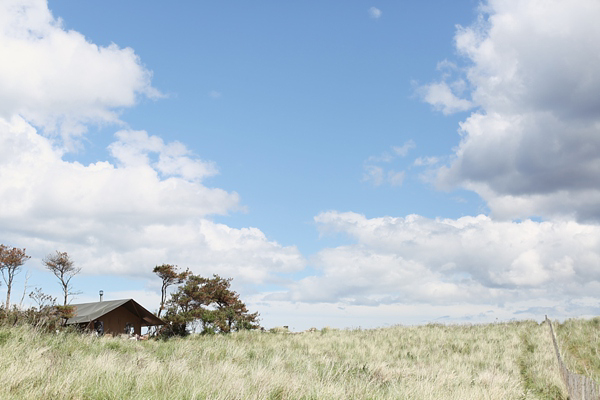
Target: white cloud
374, 13
528, 270
56, 78
373, 174
426, 161
123, 219
134, 148
403, 150
532, 148
442, 98
446, 66
470, 260
35, 176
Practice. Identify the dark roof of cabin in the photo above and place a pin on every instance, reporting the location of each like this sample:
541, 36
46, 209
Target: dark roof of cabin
87, 312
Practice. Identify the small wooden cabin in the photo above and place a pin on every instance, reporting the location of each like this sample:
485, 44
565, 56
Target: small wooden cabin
114, 317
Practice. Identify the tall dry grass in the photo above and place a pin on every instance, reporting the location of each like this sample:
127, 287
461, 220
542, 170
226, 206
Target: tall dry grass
579, 343
496, 361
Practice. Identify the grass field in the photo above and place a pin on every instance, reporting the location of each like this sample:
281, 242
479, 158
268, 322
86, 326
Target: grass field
579, 343
497, 361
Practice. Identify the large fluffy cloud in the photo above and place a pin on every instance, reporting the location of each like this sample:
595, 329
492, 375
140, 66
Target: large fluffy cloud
56, 78
147, 207
470, 260
34, 174
532, 147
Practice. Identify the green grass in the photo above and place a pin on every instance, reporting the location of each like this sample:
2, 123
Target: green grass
496, 361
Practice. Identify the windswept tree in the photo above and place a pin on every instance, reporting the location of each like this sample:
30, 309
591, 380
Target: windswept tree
211, 303
170, 276
61, 265
11, 261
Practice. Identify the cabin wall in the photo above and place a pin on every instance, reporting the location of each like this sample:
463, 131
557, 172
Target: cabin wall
116, 320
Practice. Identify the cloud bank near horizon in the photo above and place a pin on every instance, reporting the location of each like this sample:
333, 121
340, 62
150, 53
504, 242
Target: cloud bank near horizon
417, 260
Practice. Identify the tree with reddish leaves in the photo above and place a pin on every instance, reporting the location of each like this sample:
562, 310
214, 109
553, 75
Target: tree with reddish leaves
170, 276
11, 261
211, 303
229, 313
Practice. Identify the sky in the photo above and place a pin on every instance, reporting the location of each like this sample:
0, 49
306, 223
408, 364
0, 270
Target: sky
349, 164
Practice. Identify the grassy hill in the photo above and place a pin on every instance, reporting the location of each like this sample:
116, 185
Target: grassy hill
497, 361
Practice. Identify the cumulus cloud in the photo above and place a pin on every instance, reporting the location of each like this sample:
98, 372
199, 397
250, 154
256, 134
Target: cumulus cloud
122, 218
58, 80
134, 148
533, 145
34, 175
470, 260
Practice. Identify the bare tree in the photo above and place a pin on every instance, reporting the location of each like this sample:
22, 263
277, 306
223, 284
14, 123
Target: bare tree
11, 260
61, 265
25, 287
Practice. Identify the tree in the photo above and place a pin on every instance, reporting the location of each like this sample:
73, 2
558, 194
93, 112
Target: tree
25, 287
61, 265
42, 299
169, 275
11, 260
210, 302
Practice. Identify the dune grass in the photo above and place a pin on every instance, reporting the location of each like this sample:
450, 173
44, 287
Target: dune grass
496, 361
579, 343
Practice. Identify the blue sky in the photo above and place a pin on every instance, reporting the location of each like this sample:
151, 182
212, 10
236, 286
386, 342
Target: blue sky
289, 101
347, 163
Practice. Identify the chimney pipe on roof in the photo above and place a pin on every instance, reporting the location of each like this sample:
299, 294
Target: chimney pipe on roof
101, 294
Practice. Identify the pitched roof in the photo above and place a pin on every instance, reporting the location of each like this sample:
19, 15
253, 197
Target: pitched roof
87, 312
